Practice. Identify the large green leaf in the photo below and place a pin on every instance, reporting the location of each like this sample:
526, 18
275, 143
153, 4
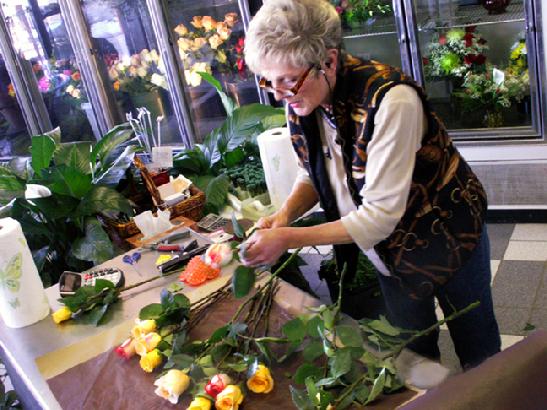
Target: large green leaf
110, 141
56, 206
377, 387
112, 170
67, 180
217, 191
227, 102
11, 186
300, 399
243, 281
95, 246
274, 120
74, 154
307, 370
340, 364
103, 199
350, 336
191, 161
294, 329
55, 134
42, 150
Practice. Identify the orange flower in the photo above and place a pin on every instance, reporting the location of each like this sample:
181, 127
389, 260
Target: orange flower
223, 30
116, 85
196, 22
76, 76
11, 90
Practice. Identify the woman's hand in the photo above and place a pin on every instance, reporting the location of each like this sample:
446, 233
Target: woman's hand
264, 247
275, 220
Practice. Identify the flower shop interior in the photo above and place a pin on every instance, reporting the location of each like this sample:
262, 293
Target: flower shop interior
137, 151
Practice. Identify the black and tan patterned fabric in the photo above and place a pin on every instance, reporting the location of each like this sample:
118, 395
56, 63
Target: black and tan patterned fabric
446, 204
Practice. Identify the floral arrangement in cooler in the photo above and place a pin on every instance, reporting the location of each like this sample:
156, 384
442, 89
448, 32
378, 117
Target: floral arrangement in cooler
141, 73
455, 53
361, 11
209, 46
493, 90
518, 59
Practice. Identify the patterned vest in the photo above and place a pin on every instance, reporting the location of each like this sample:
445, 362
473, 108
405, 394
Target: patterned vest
446, 205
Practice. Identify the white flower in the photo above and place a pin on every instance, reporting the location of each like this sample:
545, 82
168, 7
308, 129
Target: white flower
141, 72
159, 80
171, 385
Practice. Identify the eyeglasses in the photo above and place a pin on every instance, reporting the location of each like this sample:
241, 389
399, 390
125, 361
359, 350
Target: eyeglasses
286, 92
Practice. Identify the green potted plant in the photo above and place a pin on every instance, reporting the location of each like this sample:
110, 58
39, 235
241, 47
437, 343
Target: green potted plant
57, 193
355, 13
230, 145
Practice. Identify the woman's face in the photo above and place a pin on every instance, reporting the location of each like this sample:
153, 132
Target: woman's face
313, 92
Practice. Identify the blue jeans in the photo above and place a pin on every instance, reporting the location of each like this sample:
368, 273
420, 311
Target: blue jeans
475, 334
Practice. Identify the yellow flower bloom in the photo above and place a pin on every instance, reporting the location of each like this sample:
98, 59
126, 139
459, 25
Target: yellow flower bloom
200, 403
172, 384
230, 398
208, 23
223, 30
147, 343
181, 29
143, 327
150, 361
261, 381
215, 41
61, 315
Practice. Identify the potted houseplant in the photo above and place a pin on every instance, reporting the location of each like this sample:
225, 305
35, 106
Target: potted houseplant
57, 193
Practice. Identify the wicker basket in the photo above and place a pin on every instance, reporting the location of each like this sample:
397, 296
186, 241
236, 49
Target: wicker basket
191, 208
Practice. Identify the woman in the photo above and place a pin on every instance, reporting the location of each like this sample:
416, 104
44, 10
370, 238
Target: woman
385, 172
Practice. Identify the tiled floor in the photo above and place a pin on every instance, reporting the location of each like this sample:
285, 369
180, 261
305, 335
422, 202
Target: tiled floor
519, 283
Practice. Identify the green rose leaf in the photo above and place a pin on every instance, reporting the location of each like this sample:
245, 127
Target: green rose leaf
243, 281
340, 363
219, 334
361, 393
313, 351
312, 390
350, 336
315, 327
377, 387
295, 330
382, 325
300, 399
152, 311
307, 370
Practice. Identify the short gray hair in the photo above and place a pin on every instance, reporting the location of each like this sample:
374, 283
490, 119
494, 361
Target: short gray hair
298, 32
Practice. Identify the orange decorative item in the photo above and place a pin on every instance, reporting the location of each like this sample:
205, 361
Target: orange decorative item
197, 272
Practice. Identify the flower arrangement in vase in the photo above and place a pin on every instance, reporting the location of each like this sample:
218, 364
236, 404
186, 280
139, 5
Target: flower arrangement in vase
493, 90
358, 12
455, 53
141, 73
211, 46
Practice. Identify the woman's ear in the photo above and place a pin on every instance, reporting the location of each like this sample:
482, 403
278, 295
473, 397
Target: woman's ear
331, 61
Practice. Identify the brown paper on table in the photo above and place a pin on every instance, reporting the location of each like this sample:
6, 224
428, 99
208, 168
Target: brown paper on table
109, 382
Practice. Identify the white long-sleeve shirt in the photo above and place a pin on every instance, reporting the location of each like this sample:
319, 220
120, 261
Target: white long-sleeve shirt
399, 125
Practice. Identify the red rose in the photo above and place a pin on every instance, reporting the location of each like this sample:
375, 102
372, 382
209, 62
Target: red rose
217, 383
469, 59
442, 39
425, 60
480, 59
468, 39
240, 64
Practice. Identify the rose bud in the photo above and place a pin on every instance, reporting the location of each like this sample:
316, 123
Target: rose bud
127, 349
200, 403
143, 327
171, 385
147, 343
151, 360
64, 313
230, 398
219, 255
261, 381
217, 383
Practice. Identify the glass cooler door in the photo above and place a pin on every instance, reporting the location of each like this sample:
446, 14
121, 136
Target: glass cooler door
374, 29
39, 37
477, 62
131, 64
209, 36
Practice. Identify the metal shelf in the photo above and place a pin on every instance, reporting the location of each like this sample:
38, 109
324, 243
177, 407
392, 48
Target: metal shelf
474, 15
381, 26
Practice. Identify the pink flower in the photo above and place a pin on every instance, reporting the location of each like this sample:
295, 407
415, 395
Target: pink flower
67, 72
43, 84
217, 383
127, 349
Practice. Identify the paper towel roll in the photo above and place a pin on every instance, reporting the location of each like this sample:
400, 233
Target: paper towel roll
22, 297
279, 162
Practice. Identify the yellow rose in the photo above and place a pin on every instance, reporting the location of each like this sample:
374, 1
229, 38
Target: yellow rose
215, 41
223, 30
181, 29
172, 384
198, 43
150, 361
230, 398
147, 343
143, 327
61, 315
261, 381
208, 23
200, 403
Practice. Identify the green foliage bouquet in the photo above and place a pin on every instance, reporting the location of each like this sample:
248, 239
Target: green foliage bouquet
455, 53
